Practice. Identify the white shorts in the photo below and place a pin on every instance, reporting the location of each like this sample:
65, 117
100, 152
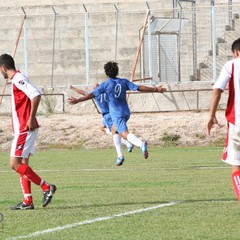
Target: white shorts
231, 151
23, 144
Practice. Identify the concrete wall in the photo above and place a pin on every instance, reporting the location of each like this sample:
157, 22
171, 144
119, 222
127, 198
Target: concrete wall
69, 56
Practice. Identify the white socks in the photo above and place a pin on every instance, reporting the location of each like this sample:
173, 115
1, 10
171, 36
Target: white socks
126, 142
118, 144
134, 140
108, 132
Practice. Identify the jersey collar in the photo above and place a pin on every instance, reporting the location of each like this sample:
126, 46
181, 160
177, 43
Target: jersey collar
14, 75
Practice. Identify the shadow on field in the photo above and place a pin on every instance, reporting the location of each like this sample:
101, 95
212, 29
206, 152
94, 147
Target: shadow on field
146, 203
209, 200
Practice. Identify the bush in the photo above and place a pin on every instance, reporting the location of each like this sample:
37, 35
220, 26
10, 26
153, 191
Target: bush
170, 139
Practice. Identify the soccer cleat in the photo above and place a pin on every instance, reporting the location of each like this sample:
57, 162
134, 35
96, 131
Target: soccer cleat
120, 161
22, 206
47, 195
144, 150
130, 148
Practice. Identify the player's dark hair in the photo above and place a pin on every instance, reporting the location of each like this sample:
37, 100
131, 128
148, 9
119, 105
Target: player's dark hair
111, 69
7, 61
236, 45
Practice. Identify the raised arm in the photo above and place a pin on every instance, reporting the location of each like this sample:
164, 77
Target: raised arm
159, 89
80, 91
73, 100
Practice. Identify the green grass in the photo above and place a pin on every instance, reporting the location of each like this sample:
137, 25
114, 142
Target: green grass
91, 186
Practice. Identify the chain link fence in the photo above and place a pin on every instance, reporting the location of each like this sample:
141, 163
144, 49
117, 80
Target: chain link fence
69, 44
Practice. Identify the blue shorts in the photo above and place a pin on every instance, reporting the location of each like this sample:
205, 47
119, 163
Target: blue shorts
107, 121
120, 123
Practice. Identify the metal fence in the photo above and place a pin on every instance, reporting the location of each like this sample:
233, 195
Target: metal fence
62, 45
193, 45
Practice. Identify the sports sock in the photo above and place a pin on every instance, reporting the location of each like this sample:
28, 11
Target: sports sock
108, 132
24, 169
236, 183
126, 142
117, 144
134, 140
26, 189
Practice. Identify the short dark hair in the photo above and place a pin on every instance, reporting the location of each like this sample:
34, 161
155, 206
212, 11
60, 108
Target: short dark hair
111, 69
236, 45
7, 61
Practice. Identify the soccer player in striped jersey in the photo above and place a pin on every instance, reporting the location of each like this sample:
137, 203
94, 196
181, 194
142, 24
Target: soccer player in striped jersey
25, 100
229, 76
116, 89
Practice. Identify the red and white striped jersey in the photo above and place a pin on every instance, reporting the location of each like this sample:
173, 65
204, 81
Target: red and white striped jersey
22, 93
230, 74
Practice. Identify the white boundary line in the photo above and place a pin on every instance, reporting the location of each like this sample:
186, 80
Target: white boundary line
118, 169
100, 219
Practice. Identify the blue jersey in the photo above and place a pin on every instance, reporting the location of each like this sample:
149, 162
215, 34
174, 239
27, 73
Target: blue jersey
102, 103
116, 89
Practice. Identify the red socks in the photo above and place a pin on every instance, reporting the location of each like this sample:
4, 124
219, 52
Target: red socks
236, 183
26, 189
24, 169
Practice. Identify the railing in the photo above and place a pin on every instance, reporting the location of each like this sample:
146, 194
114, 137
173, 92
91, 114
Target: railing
45, 94
196, 91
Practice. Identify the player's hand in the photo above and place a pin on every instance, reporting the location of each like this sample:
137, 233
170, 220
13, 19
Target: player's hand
210, 124
161, 89
73, 100
31, 124
72, 87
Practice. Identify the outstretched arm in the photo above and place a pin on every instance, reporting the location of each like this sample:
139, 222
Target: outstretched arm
80, 91
216, 96
73, 100
159, 89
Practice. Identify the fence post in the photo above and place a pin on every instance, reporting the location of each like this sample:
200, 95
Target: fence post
54, 37
116, 33
87, 46
213, 32
149, 41
230, 13
194, 39
25, 43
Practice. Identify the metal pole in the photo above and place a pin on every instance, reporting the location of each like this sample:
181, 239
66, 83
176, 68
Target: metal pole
149, 41
174, 8
87, 47
230, 13
54, 37
214, 52
116, 33
25, 44
194, 40
159, 57
178, 45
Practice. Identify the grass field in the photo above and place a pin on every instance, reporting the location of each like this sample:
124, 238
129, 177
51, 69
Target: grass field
178, 193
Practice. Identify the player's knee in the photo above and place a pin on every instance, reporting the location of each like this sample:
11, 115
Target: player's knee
124, 135
13, 165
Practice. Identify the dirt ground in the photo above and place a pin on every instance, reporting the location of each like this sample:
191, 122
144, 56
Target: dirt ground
69, 130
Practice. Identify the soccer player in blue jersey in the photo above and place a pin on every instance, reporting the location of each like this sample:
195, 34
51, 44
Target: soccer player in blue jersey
107, 120
116, 89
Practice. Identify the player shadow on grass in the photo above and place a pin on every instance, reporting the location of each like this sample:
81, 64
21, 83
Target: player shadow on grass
149, 202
